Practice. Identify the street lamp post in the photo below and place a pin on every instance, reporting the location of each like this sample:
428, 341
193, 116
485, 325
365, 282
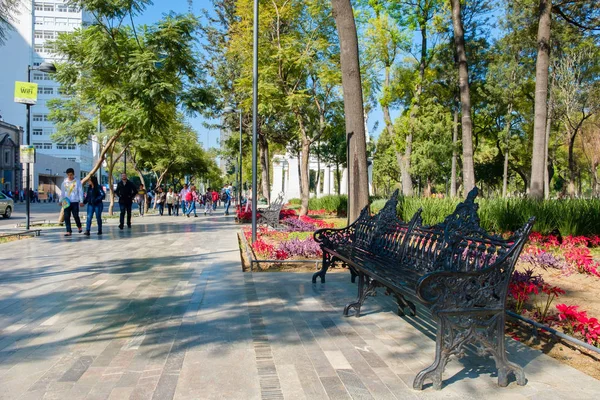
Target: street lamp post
48, 68
228, 110
254, 120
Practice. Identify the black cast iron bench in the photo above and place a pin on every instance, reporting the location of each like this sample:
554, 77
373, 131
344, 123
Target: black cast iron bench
455, 269
270, 215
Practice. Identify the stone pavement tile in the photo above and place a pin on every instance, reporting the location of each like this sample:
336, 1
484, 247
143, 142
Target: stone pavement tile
144, 390
35, 395
120, 393
129, 379
230, 374
165, 389
291, 387
335, 388
357, 389
77, 369
395, 385
337, 360
311, 385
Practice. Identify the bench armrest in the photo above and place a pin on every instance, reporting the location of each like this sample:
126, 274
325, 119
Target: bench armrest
455, 291
333, 235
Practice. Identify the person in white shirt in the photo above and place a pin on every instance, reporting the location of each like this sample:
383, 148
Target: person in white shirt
71, 197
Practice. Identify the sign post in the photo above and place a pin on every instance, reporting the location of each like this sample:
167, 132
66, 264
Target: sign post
26, 93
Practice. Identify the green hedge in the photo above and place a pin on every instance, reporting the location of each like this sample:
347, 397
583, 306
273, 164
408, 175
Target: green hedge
569, 217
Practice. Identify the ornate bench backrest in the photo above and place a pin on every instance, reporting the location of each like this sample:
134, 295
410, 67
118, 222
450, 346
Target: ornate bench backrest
368, 228
277, 204
389, 242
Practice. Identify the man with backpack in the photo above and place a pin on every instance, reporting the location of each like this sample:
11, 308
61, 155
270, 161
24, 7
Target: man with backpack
226, 197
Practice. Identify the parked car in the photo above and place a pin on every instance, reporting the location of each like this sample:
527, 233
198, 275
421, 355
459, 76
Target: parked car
6, 205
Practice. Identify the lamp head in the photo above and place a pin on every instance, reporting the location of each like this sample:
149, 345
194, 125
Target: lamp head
47, 67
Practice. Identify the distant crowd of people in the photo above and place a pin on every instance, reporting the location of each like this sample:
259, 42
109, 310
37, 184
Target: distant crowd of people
19, 196
188, 200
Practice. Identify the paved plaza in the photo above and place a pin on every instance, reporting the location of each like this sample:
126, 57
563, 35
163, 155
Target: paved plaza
163, 311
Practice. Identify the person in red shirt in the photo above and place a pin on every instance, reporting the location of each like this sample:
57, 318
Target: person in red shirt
215, 198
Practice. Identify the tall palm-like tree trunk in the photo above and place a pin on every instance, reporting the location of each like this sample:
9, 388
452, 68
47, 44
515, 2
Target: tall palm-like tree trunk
358, 196
536, 185
465, 99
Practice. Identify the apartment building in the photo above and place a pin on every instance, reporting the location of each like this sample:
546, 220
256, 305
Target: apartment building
38, 24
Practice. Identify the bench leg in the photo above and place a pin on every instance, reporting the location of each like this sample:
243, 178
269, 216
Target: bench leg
403, 304
504, 366
353, 275
435, 370
324, 267
366, 287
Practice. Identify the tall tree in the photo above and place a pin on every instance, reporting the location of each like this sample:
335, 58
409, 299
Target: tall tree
358, 196
137, 76
465, 99
536, 186
9, 9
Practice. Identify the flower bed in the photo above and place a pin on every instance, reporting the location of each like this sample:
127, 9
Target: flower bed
294, 241
552, 268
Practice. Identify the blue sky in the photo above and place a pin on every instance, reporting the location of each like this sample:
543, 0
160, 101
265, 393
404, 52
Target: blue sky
160, 7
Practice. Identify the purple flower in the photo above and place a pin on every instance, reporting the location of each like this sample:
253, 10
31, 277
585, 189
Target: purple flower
297, 225
304, 248
545, 260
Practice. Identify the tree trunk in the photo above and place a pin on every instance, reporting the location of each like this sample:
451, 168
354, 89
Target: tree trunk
465, 99
547, 144
304, 176
453, 183
572, 166
536, 188
389, 125
264, 165
595, 183
507, 150
358, 177
339, 179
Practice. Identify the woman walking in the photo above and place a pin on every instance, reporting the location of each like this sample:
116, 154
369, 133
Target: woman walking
140, 199
176, 204
160, 200
170, 201
93, 198
191, 199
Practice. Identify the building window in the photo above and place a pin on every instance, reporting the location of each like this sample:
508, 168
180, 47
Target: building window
47, 146
7, 158
38, 145
39, 48
48, 7
62, 21
39, 6
49, 35
38, 117
38, 34
39, 22
48, 20
62, 8
48, 90
37, 132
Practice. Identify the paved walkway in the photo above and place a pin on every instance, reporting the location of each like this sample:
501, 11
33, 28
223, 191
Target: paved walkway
163, 311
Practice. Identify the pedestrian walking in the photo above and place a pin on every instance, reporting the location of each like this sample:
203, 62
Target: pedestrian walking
208, 204
183, 196
126, 191
141, 198
94, 200
190, 200
170, 201
226, 198
214, 198
71, 197
161, 198
176, 203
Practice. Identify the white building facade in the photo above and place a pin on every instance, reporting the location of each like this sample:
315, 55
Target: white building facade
286, 177
38, 23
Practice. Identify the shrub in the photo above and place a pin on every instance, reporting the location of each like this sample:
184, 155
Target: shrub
295, 202
330, 203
